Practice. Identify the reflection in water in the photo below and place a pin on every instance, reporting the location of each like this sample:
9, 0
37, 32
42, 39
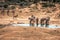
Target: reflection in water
27, 25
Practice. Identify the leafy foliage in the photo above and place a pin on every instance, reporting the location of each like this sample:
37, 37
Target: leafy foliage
5, 6
48, 5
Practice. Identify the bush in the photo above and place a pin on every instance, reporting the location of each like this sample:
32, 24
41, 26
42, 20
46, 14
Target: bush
5, 6
12, 7
48, 5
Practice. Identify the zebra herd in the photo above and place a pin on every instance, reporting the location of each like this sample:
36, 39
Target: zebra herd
37, 21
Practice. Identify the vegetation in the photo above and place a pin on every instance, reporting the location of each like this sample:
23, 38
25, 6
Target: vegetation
26, 2
5, 6
48, 5
23, 3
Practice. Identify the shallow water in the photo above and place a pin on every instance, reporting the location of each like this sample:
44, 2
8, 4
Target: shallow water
27, 25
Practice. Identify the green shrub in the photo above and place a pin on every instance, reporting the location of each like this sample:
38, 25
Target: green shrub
48, 5
12, 7
5, 6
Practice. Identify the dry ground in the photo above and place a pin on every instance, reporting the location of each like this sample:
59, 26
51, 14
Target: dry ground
29, 33
25, 13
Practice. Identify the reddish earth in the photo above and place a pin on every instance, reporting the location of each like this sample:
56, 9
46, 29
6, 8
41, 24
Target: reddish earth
29, 33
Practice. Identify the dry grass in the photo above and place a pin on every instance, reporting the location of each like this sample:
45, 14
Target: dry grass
25, 13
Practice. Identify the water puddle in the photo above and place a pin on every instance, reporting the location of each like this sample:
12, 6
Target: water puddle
27, 25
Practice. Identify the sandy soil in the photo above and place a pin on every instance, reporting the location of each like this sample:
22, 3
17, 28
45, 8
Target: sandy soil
29, 33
